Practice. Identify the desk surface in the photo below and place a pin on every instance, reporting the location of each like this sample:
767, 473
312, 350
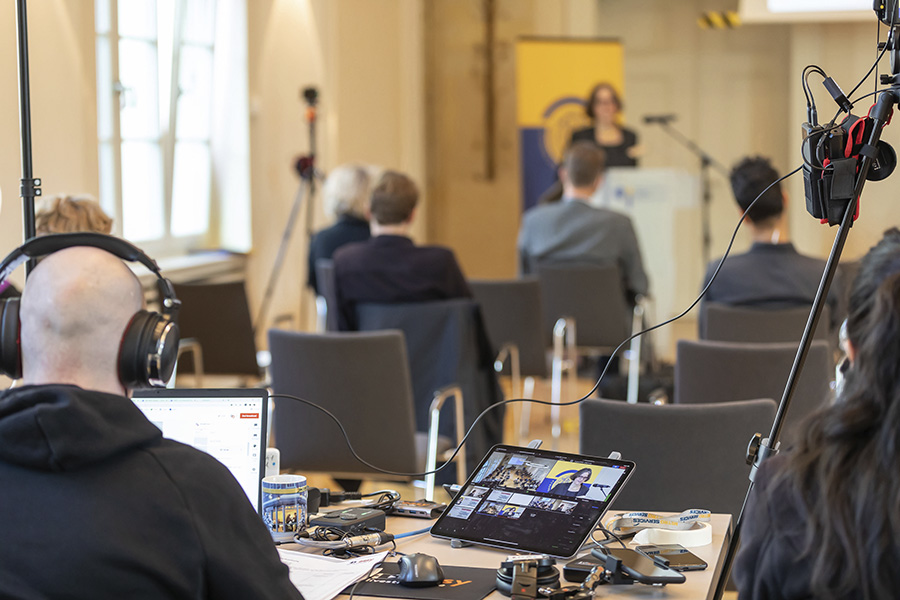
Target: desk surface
699, 584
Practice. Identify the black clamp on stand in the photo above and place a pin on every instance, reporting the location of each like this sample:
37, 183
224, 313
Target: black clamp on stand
527, 577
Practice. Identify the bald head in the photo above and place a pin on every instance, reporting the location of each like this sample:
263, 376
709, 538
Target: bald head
75, 308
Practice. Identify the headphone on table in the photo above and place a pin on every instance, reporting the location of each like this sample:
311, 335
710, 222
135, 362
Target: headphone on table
522, 576
149, 346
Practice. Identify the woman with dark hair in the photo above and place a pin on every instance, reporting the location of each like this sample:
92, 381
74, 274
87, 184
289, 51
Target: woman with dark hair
824, 518
604, 106
578, 486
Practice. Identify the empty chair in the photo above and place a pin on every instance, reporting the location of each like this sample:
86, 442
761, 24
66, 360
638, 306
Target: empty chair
514, 321
447, 346
687, 456
363, 380
585, 310
724, 323
708, 372
218, 317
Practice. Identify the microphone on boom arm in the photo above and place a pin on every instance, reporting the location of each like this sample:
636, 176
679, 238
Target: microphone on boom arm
661, 119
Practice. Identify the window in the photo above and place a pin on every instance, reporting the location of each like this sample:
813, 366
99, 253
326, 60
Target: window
159, 67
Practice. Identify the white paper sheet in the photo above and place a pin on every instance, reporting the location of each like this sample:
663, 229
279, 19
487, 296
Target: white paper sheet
323, 578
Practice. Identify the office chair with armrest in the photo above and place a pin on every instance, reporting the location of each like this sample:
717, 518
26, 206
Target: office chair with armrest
590, 299
711, 372
326, 302
513, 317
447, 346
217, 317
361, 378
725, 323
687, 456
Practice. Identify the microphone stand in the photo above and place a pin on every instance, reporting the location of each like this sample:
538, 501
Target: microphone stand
29, 186
306, 167
761, 449
706, 161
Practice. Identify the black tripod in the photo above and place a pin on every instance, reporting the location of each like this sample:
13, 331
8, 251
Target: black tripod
306, 168
760, 449
29, 186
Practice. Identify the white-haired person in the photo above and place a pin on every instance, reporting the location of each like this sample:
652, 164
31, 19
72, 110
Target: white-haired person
346, 198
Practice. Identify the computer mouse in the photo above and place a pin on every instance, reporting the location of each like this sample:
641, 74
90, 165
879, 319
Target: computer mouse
420, 570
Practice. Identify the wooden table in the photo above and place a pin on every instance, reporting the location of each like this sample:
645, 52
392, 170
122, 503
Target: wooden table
699, 584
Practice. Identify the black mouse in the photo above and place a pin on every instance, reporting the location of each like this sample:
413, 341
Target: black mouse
420, 570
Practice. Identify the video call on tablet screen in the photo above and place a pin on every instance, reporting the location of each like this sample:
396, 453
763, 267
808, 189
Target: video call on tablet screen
533, 500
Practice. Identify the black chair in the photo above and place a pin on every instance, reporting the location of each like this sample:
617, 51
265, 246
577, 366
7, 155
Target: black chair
217, 316
585, 310
712, 372
514, 320
687, 456
447, 346
725, 323
363, 380
326, 302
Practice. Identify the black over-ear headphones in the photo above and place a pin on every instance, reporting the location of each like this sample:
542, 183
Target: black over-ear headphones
149, 344
523, 576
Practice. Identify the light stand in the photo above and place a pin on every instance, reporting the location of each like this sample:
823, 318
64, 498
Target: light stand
306, 168
760, 450
706, 161
29, 187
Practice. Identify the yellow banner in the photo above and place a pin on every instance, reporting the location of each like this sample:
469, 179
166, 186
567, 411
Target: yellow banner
553, 79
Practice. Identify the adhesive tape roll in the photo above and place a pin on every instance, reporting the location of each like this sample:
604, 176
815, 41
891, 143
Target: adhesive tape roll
698, 535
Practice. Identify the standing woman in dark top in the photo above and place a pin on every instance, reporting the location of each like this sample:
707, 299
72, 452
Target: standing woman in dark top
604, 106
824, 518
346, 196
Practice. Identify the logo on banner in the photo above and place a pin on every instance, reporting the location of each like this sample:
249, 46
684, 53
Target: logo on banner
560, 119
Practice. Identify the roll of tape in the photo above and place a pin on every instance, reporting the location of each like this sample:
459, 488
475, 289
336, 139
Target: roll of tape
698, 535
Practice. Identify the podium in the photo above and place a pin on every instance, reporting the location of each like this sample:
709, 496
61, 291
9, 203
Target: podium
664, 206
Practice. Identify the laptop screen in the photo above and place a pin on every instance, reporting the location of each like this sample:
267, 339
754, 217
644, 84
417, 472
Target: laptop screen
230, 425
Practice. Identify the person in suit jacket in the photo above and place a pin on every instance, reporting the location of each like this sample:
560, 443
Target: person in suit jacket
390, 267
345, 196
772, 273
574, 231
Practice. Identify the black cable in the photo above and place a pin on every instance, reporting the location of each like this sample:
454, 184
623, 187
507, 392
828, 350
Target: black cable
392, 553
877, 58
544, 402
610, 537
810, 98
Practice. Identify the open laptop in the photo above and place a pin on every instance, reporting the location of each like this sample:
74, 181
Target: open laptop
533, 500
228, 424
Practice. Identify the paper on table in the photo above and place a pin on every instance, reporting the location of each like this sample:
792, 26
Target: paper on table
323, 578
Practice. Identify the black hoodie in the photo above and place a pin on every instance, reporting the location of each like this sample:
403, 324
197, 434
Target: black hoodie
94, 503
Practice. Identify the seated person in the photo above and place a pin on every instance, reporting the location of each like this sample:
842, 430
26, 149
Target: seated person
772, 274
574, 231
822, 520
95, 503
390, 268
345, 196
64, 214
70, 214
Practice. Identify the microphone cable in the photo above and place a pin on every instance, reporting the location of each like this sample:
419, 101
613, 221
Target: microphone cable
482, 414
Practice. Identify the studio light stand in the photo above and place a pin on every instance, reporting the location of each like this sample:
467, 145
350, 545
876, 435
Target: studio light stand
306, 168
29, 187
706, 161
760, 449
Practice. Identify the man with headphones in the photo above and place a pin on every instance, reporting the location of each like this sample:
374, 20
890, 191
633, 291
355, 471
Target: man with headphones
94, 502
